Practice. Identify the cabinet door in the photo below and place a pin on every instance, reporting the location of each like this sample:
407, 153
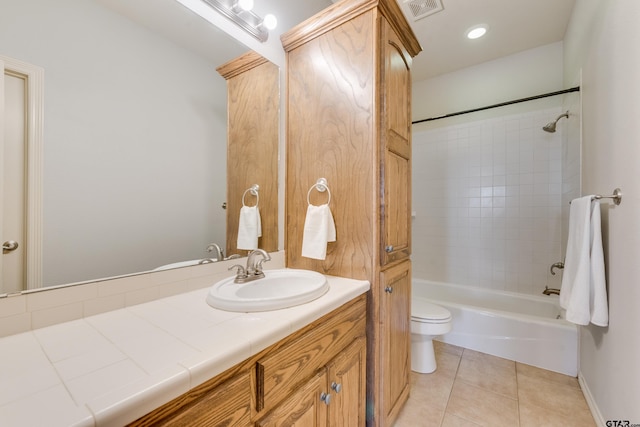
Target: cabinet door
396, 337
396, 146
304, 408
347, 382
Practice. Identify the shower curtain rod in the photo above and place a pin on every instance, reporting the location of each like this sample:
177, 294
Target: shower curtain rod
502, 104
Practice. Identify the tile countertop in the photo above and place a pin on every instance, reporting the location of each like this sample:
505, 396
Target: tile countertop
112, 368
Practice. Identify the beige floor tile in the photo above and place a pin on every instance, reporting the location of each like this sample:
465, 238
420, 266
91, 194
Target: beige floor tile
432, 389
454, 421
534, 372
533, 416
419, 415
482, 406
441, 347
563, 400
489, 372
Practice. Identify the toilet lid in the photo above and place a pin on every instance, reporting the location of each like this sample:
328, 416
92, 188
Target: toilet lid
423, 310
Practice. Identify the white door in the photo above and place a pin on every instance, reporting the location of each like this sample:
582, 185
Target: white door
13, 147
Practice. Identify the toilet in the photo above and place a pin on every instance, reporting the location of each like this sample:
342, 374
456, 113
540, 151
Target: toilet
428, 320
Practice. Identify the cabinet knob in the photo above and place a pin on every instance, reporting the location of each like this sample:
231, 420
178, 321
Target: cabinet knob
326, 398
388, 290
336, 387
388, 249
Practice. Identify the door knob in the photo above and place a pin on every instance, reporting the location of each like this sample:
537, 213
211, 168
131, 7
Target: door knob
388, 249
388, 289
9, 245
337, 387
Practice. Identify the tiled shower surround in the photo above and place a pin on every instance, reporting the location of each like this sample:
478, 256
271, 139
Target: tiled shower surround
487, 203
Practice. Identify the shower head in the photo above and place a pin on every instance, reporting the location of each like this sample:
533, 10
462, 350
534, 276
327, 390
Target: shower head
551, 126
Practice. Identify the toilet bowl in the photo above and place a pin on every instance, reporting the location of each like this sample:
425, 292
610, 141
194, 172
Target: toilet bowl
427, 321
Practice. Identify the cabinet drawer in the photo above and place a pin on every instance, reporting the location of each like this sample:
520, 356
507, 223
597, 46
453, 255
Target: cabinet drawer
279, 373
228, 404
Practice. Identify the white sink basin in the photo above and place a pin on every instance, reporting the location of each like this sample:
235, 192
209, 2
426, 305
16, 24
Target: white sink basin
278, 289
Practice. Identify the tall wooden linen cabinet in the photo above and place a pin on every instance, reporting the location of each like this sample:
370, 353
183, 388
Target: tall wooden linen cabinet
349, 121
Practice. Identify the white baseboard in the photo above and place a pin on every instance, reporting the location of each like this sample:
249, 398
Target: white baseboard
595, 412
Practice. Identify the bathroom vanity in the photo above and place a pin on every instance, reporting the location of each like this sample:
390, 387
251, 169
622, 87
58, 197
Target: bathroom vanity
316, 376
178, 361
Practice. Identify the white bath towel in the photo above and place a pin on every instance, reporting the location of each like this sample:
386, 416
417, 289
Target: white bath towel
583, 275
249, 228
319, 229
598, 288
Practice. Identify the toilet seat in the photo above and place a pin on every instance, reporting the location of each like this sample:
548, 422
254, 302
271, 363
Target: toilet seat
423, 311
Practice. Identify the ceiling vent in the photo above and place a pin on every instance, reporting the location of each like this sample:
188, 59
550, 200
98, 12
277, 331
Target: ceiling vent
419, 9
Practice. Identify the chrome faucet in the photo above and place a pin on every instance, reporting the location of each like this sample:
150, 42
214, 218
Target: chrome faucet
215, 248
253, 270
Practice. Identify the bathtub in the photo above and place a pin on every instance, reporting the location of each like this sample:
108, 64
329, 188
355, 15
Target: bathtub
524, 328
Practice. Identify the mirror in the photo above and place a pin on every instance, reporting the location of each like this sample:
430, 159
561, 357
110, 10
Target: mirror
135, 121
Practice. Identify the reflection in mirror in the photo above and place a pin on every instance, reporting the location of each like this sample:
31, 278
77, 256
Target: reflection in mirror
134, 171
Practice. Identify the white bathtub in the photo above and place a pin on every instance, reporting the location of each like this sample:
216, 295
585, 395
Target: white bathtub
524, 328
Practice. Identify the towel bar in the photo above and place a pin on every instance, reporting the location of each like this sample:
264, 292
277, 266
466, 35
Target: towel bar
616, 196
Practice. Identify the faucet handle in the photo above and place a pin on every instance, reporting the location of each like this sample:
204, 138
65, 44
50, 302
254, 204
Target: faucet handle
240, 271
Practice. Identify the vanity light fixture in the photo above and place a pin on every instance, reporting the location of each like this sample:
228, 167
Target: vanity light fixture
239, 11
476, 32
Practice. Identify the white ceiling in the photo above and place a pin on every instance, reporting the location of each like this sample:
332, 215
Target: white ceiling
514, 26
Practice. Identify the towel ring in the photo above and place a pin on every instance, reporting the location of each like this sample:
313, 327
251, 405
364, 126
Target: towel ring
254, 191
321, 186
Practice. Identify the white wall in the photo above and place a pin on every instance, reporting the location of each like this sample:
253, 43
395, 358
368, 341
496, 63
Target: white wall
603, 41
130, 183
532, 72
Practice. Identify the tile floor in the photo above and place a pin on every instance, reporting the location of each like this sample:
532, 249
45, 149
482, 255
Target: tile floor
475, 389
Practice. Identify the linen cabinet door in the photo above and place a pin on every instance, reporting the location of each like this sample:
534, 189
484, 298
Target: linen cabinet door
396, 145
396, 337
306, 407
347, 384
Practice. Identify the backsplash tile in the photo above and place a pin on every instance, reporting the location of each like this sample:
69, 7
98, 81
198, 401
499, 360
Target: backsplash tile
37, 309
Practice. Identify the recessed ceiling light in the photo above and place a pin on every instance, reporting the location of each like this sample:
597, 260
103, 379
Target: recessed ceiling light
476, 32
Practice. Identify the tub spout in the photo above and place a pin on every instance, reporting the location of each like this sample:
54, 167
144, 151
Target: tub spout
549, 291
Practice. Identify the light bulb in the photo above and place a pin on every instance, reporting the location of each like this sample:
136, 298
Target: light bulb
245, 4
476, 32
270, 21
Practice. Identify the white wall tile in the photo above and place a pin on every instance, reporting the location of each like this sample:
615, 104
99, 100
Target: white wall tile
501, 227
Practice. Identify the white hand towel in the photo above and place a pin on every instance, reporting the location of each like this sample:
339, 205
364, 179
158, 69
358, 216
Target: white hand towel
319, 229
598, 300
249, 228
583, 293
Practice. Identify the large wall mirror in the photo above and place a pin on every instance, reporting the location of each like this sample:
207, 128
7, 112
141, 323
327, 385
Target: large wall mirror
135, 121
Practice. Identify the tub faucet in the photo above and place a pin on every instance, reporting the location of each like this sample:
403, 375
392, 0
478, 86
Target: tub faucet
559, 265
253, 270
549, 291
217, 251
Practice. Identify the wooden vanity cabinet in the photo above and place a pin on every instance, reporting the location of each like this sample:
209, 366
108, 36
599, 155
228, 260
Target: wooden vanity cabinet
314, 377
333, 397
